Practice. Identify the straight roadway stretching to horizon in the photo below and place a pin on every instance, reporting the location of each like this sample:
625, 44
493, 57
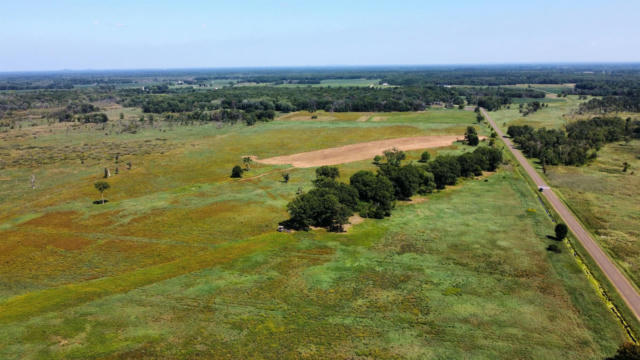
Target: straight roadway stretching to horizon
624, 287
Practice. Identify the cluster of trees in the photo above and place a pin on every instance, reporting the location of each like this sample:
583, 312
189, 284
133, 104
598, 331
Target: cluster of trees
494, 98
493, 103
575, 145
373, 195
80, 112
629, 101
85, 112
531, 107
223, 115
95, 118
446, 169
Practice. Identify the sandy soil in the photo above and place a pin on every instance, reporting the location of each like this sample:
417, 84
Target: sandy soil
360, 151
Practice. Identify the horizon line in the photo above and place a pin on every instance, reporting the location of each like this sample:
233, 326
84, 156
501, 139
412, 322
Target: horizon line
336, 66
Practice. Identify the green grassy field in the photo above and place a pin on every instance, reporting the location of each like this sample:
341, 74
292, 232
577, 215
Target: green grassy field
604, 197
183, 262
556, 115
549, 88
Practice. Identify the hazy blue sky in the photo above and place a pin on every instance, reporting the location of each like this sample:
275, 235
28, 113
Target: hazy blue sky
65, 34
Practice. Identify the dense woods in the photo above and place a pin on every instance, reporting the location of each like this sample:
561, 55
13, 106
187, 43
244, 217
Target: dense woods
251, 99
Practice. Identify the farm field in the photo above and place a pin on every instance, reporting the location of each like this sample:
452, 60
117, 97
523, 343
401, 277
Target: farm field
600, 193
361, 151
184, 262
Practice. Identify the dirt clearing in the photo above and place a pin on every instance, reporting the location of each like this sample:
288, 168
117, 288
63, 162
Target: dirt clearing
360, 151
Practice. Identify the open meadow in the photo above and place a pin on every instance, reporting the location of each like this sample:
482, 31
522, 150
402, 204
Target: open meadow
184, 262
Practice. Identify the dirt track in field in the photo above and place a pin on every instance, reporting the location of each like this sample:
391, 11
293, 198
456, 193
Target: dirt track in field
360, 151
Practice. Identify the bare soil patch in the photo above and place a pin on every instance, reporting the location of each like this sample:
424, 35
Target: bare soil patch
360, 151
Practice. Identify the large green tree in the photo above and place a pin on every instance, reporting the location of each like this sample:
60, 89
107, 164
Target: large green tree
318, 207
471, 136
375, 192
561, 231
330, 172
445, 170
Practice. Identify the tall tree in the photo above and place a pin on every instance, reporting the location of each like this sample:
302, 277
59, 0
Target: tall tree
102, 186
471, 136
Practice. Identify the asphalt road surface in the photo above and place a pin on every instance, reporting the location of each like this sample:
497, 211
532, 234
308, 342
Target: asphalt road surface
628, 293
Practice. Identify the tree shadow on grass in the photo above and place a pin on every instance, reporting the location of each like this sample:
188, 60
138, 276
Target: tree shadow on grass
99, 202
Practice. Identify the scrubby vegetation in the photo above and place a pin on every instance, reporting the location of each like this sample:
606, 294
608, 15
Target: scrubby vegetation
627, 351
236, 172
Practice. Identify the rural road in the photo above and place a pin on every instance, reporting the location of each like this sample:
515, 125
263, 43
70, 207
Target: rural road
615, 276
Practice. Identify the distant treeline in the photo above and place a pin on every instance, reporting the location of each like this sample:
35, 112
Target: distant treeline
59, 83
575, 145
337, 99
594, 79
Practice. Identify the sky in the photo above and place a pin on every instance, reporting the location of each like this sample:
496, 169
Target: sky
115, 34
